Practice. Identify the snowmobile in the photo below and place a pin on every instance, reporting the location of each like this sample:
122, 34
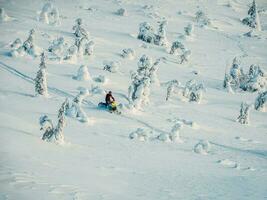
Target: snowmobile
112, 108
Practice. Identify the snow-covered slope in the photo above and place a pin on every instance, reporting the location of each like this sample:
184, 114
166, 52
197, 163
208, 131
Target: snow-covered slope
98, 160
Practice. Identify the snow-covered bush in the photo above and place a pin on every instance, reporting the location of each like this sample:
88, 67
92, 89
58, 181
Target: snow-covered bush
89, 48
46, 126
146, 33
253, 19
49, 14
74, 108
243, 117
16, 44
193, 91
71, 54
52, 134
141, 134
177, 47
128, 53
173, 136
28, 47
112, 66
95, 89
261, 101
202, 147
122, 12
160, 37
3, 16
202, 19
101, 79
170, 89
83, 74
57, 48
40, 80
184, 57
189, 29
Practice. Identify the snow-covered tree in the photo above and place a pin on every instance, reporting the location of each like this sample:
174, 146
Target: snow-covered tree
49, 14
28, 47
83, 74
170, 89
177, 47
193, 91
227, 83
146, 33
3, 16
61, 122
189, 29
261, 101
139, 90
243, 117
40, 80
202, 19
81, 36
255, 80
112, 66
128, 53
89, 48
202, 147
42, 63
122, 12
253, 19
74, 108
161, 38
236, 73
52, 134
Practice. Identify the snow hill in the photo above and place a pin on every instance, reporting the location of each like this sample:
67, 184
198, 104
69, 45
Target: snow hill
215, 157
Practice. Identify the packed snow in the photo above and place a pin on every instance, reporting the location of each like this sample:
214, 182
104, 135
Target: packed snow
189, 79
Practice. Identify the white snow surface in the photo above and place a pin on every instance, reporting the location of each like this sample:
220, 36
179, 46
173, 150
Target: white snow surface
98, 160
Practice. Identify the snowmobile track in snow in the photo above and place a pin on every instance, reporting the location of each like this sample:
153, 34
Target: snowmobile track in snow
31, 80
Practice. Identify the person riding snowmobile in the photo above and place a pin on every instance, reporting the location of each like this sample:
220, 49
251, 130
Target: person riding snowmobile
110, 101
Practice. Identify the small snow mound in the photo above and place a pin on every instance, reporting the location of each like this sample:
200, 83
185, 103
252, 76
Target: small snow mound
83, 74
164, 137
141, 134
228, 163
202, 147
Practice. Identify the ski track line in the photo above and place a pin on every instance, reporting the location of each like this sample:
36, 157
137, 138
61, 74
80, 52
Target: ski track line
31, 80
